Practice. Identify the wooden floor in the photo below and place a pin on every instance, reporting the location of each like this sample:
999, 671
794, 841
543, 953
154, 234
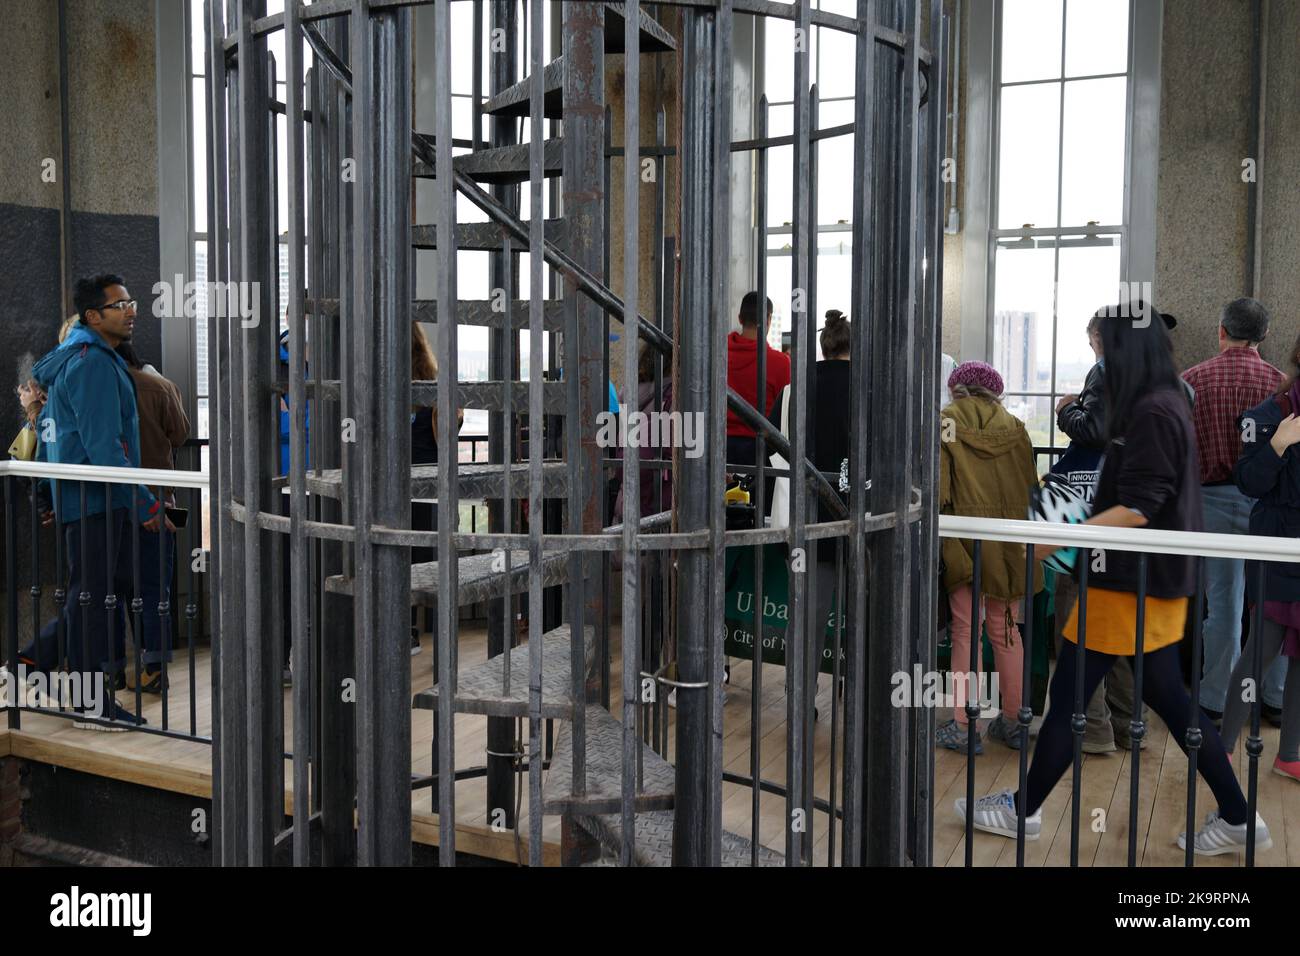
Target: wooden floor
184, 766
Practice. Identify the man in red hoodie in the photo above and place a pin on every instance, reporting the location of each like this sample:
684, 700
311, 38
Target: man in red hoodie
742, 375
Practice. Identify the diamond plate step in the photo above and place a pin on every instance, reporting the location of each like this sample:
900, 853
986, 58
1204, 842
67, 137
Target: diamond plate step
654, 38
478, 580
500, 165
604, 738
513, 100
477, 480
480, 687
653, 836
485, 236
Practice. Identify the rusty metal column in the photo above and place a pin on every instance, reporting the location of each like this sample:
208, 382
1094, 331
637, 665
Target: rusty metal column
586, 390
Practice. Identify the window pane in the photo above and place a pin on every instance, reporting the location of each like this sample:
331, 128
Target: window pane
778, 62
780, 186
1031, 40
834, 280
1088, 279
778, 290
838, 57
201, 322
1027, 155
198, 38
1036, 412
1022, 319
199, 132
834, 176
1092, 168
1096, 37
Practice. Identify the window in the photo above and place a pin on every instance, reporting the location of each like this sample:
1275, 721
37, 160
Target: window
833, 54
1059, 226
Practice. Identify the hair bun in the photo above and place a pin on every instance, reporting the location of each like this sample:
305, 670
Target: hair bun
835, 316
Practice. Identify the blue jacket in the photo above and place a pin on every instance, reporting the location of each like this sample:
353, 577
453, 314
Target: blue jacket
1275, 483
91, 407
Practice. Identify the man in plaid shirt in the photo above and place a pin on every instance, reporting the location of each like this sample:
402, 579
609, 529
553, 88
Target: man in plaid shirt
1235, 380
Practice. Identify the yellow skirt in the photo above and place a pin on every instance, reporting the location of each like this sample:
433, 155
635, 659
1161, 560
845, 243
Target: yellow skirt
1112, 622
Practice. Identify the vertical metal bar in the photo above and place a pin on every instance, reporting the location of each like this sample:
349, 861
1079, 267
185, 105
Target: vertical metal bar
34, 590
972, 706
925, 582
65, 164
1254, 744
586, 389
535, 332
300, 649
720, 276
630, 634
110, 601
836, 677
760, 496
892, 369
1137, 727
1194, 737
503, 363
60, 592
137, 602
695, 491
11, 594
1026, 713
448, 497
798, 635
863, 294
1078, 721
260, 443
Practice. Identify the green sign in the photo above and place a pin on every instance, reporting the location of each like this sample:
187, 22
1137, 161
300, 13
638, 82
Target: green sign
739, 608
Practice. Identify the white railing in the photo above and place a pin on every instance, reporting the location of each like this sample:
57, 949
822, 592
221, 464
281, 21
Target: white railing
102, 473
1202, 543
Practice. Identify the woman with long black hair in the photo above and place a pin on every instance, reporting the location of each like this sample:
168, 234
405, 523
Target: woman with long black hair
1149, 478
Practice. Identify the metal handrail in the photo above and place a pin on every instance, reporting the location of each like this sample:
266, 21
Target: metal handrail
105, 473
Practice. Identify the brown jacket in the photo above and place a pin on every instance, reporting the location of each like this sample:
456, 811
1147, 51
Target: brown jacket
986, 470
164, 425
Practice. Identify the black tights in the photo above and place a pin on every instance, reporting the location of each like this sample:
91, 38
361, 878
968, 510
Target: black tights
1162, 688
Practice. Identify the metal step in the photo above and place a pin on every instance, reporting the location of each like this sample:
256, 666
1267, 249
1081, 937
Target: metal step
654, 38
653, 836
480, 687
485, 395
485, 236
500, 165
478, 579
513, 100
604, 739
478, 480
477, 312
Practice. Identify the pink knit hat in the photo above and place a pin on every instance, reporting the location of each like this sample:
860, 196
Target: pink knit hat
976, 373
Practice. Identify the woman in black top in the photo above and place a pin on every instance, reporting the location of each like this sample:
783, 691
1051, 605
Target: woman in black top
1148, 479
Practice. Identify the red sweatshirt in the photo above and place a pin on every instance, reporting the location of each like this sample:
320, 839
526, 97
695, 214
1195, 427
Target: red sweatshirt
742, 375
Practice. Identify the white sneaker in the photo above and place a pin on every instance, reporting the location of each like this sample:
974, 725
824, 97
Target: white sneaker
672, 698
996, 813
1218, 836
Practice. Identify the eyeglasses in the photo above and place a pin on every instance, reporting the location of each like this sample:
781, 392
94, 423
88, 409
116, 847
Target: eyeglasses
122, 305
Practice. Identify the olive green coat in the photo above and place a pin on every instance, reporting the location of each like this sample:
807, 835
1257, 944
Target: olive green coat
986, 470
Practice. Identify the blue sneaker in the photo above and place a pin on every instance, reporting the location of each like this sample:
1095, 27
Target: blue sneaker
1007, 731
954, 737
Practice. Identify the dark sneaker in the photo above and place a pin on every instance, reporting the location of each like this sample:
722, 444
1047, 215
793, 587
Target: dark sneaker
115, 720
1007, 731
1271, 714
152, 682
415, 641
954, 737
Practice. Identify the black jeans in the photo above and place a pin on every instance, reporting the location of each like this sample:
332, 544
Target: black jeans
1162, 688
93, 569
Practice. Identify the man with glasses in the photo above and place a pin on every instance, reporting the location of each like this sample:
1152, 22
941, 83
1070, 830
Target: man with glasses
91, 418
